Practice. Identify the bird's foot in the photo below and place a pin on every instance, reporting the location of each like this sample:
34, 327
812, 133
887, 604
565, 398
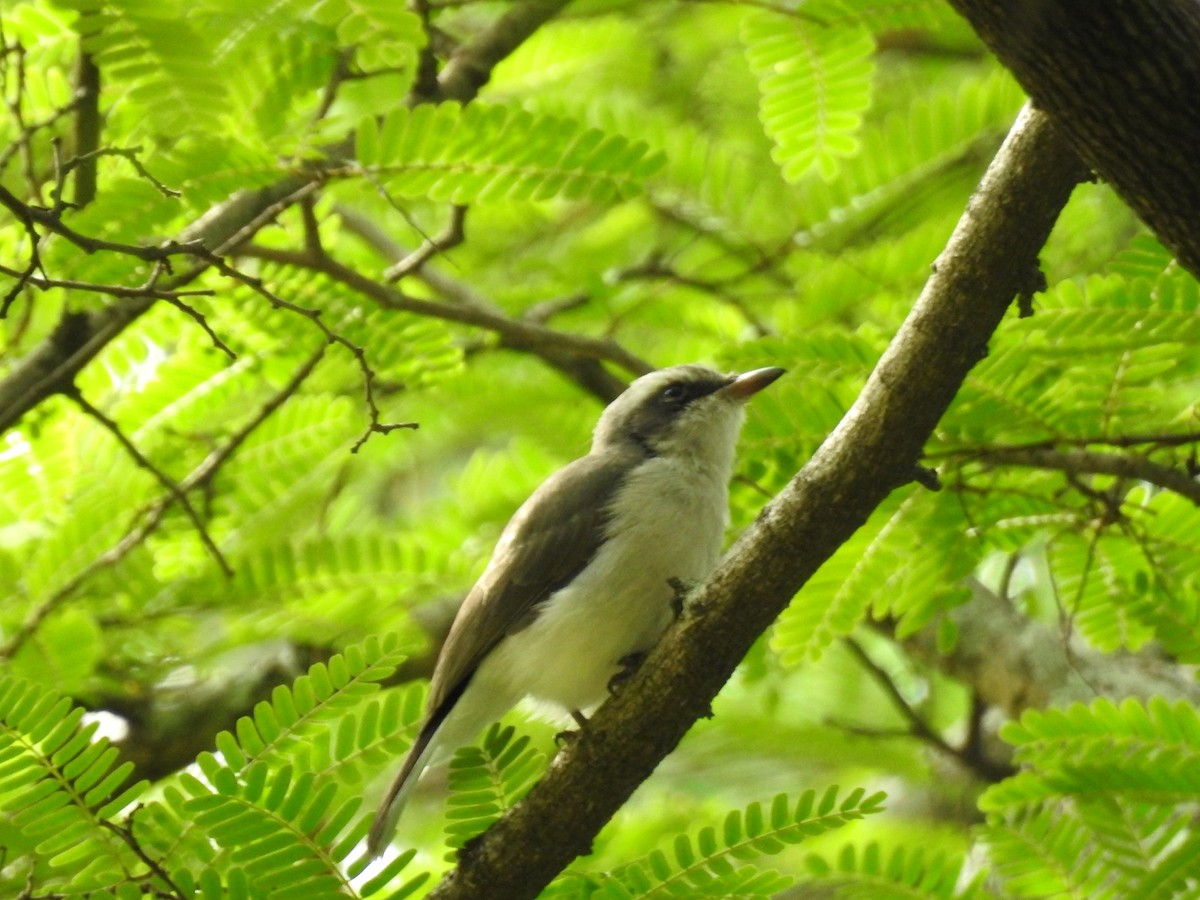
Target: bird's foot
566, 736
629, 664
681, 589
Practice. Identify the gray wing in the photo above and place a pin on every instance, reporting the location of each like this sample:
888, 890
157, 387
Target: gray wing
548, 541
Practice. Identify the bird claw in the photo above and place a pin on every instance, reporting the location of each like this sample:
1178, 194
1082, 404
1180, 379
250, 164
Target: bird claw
681, 589
567, 735
629, 664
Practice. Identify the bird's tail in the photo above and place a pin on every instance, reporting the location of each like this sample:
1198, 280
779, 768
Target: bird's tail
419, 756
453, 723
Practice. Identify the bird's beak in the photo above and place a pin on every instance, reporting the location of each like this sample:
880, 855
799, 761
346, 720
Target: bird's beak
750, 383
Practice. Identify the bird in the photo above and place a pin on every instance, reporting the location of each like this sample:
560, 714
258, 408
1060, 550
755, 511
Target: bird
586, 575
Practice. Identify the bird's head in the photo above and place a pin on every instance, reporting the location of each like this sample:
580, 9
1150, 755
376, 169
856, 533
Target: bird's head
684, 411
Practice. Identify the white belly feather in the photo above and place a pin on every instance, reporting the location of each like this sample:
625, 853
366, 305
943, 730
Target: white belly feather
673, 517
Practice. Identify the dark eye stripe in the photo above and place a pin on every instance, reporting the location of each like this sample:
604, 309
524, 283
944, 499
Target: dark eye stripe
681, 393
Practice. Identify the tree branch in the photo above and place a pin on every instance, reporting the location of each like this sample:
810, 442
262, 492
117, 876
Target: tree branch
470, 67
451, 236
874, 449
1016, 663
557, 347
1093, 462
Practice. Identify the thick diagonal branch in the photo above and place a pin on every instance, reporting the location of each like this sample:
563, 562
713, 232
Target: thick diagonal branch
873, 450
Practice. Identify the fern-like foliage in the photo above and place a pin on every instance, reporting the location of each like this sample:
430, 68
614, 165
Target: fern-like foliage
718, 862
479, 153
60, 791
815, 83
872, 873
1104, 804
880, 567
286, 835
315, 700
160, 55
1149, 751
272, 813
487, 780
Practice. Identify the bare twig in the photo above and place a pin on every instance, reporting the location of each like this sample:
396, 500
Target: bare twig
375, 426
127, 153
917, 726
26, 275
14, 99
757, 260
49, 219
199, 318
972, 754
543, 312
655, 268
31, 128
1155, 440
126, 835
450, 236
113, 290
146, 291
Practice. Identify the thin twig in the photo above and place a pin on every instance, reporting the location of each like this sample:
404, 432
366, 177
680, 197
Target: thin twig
375, 426
450, 236
542, 312
25, 276
918, 727
120, 291
127, 153
970, 754
1155, 439
50, 220
654, 267
199, 318
126, 835
1091, 462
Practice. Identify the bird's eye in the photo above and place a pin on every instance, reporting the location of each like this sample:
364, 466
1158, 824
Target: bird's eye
674, 393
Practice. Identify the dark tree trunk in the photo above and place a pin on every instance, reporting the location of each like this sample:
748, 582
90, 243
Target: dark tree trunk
1121, 80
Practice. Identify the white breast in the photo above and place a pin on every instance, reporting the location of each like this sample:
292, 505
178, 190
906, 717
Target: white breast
668, 521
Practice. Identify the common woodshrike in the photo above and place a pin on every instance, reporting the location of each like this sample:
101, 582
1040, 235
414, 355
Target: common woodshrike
586, 574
